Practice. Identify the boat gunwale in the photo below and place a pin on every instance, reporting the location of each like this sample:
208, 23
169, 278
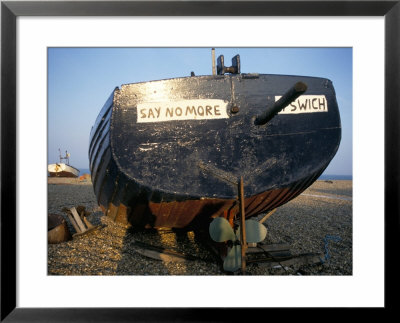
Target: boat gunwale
217, 76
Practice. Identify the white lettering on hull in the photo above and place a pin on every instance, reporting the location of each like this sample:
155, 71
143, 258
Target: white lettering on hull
306, 104
181, 110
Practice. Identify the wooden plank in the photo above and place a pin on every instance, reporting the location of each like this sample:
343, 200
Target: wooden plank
159, 255
303, 259
268, 259
146, 246
267, 216
88, 224
280, 254
87, 231
274, 247
261, 248
71, 219
78, 220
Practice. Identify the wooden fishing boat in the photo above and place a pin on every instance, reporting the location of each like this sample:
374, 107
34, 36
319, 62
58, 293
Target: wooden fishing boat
62, 169
169, 153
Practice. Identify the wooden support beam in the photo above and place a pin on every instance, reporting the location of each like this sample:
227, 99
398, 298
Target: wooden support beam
88, 224
159, 255
78, 220
71, 219
303, 259
242, 224
81, 227
267, 216
261, 248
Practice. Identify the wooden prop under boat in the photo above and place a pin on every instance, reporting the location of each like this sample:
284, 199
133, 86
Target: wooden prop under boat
169, 153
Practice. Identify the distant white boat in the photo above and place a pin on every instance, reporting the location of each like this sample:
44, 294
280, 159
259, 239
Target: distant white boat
62, 169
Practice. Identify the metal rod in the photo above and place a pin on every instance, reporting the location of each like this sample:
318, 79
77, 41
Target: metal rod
213, 61
292, 94
243, 242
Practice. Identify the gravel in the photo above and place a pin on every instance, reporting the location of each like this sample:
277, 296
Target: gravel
317, 221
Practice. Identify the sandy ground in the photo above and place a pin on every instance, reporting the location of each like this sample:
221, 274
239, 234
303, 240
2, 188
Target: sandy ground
317, 221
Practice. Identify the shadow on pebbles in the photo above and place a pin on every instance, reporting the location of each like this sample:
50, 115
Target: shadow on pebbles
317, 221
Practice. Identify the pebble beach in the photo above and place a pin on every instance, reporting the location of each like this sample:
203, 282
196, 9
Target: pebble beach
317, 221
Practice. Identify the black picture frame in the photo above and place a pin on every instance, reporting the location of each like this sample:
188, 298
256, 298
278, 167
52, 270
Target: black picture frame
10, 10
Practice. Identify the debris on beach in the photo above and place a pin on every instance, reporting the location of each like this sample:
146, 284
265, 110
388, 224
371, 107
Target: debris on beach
57, 229
78, 218
85, 178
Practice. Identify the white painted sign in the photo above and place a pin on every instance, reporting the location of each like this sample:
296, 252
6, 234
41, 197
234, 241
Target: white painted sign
306, 104
181, 110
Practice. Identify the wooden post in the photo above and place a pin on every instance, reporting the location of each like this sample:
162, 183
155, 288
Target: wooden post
78, 219
242, 224
71, 219
88, 224
267, 216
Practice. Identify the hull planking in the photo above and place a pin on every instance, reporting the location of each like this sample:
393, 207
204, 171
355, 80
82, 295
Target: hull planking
169, 153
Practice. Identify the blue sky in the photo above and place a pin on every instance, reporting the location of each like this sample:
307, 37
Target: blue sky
81, 79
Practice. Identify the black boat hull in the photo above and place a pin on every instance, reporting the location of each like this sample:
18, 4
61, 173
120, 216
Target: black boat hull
168, 153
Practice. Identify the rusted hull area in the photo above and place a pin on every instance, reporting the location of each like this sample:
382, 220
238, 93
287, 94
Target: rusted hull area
127, 202
179, 214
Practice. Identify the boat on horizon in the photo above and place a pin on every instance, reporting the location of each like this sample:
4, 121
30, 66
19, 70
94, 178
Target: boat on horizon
62, 169
169, 153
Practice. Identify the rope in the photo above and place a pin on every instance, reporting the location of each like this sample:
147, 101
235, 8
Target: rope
326, 241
